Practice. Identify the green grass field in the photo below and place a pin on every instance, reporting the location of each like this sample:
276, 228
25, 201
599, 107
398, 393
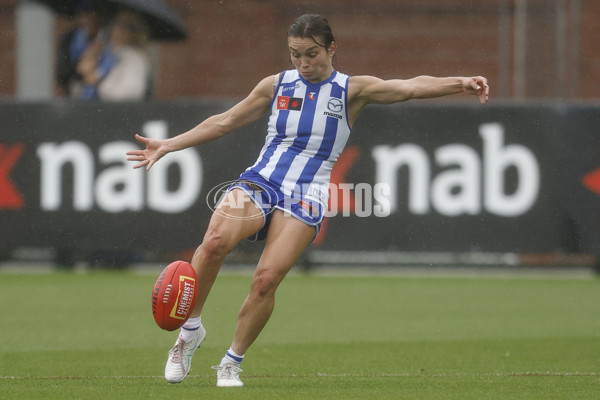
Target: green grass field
92, 336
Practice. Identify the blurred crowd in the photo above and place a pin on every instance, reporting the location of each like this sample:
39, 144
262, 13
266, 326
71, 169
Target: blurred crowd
105, 55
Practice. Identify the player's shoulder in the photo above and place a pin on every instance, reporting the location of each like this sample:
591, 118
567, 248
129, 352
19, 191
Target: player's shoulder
363, 80
266, 85
359, 83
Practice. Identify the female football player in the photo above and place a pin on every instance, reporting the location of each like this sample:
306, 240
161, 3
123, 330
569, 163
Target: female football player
282, 197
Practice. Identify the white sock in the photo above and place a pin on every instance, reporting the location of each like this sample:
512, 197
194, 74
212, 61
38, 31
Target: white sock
232, 357
189, 330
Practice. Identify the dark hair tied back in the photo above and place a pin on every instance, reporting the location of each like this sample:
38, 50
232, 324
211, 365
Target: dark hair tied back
312, 26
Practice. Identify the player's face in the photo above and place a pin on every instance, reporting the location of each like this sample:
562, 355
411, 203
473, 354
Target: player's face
313, 62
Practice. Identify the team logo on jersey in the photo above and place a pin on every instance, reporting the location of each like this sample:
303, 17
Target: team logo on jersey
289, 103
334, 104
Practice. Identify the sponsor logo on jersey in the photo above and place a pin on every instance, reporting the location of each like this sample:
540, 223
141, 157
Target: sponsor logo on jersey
334, 104
288, 88
289, 103
334, 115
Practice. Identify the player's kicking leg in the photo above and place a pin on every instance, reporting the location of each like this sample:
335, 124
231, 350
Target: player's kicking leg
286, 240
231, 223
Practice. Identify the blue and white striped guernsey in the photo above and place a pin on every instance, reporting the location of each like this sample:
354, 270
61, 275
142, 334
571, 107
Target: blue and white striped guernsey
308, 129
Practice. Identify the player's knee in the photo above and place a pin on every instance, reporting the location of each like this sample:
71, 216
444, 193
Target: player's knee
265, 283
215, 245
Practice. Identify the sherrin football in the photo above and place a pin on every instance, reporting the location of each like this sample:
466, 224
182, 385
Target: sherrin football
174, 295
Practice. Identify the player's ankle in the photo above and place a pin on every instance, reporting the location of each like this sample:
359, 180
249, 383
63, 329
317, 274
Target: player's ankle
232, 357
190, 329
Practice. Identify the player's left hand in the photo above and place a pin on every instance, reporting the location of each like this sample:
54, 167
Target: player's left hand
478, 86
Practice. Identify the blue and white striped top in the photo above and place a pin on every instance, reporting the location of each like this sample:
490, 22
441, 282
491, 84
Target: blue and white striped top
308, 129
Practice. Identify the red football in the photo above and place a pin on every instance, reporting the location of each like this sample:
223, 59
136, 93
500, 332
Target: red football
174, 295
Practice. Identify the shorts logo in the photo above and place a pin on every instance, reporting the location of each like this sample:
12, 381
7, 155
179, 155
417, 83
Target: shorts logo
289, 103
308, 209
321, 195
334, 104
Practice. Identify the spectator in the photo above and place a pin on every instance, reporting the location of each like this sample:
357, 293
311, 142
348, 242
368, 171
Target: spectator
91, 19
120, 69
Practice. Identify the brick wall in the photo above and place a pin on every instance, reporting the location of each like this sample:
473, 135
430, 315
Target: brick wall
234, 43
7, 48
589, 61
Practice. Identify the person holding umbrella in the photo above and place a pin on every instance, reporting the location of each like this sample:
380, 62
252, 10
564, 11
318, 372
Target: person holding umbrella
283, 196
90, 18
120, 68
161, 22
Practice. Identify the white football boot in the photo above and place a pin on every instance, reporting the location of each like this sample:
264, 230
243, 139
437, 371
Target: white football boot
228, 375
180, 357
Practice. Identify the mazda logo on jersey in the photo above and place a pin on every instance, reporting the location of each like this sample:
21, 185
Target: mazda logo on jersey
334, 104
289, 103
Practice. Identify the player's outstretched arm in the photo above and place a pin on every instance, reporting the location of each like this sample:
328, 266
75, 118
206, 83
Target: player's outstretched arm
365, 90
248, 110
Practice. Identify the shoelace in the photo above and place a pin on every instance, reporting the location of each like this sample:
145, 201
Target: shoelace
227, 371
176, 352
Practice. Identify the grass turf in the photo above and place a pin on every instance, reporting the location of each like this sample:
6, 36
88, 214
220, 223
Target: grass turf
92, 336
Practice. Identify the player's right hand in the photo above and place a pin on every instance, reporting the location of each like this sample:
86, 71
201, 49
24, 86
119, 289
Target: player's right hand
153, 152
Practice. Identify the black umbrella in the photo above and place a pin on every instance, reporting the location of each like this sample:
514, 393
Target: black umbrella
163, 22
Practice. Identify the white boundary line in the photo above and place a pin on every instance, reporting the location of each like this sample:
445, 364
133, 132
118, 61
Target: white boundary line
327, 375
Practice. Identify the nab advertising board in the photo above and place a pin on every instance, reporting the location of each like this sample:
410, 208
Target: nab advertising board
413, 177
